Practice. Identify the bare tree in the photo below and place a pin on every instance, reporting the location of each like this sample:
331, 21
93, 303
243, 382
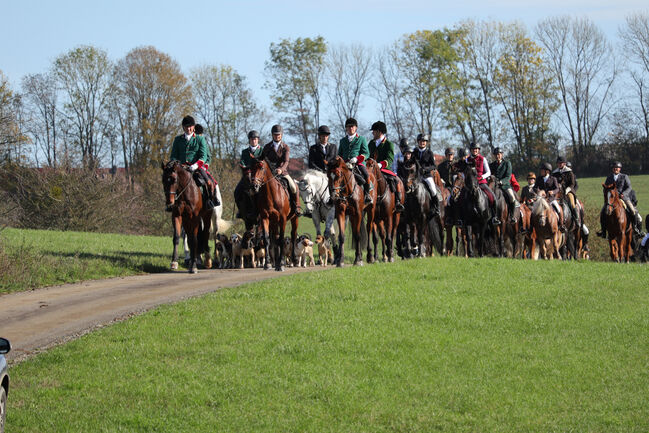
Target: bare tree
85, 74
155, 96
635, 42
11, 138
523, 85
226, 105
479, 49
584, 69
349, 72
390, 91
296, 70
40, 96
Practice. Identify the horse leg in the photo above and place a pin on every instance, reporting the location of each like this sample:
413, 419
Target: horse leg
267, 245
340, 253
191, 230
356, 222
175, 222
279, 264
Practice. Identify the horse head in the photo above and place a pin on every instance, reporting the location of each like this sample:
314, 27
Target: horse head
458, 186
412, 174
611, 197
260, 174
313, 189
174, 181
339, 178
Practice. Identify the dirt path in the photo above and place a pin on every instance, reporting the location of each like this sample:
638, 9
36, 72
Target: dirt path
42, 318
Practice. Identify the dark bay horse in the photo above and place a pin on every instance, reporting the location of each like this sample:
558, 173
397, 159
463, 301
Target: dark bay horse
617, 224
386, 220
418, 218
274, 208
473, 208
349, 197
499, 232
185, 201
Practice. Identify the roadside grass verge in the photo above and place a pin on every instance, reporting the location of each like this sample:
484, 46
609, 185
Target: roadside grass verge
38, 258
441, 344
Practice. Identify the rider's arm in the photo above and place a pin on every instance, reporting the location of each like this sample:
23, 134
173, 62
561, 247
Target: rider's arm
364, 151
487, 170
283, 163
626, 187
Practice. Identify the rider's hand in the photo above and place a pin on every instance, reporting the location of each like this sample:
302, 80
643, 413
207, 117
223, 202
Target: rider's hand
193, 167
278, 171
353, 160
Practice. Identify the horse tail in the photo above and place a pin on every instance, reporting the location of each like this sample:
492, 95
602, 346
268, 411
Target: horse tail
218, 223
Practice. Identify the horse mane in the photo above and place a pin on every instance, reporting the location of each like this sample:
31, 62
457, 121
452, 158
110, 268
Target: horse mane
540, 205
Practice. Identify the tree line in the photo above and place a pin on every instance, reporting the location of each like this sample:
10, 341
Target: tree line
559, 87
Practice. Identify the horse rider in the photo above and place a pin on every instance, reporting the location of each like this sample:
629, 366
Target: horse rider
248, 157
189, 148
382, 150
623, 186
353, 150
276, 154
445, 169
568, 181
426, 159
323, 151
527, 193
551, 186
408, 151
502, 170
483, 172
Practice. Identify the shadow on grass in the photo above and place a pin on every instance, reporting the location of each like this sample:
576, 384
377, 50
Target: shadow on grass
123, 259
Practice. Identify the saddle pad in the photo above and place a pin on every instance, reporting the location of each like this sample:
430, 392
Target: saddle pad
386, 171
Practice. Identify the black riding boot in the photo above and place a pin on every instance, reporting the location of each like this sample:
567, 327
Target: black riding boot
602, 232
398, 206
495, 220
295, 207
367, 187
209, 204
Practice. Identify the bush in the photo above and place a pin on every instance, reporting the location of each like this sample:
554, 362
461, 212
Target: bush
75, 199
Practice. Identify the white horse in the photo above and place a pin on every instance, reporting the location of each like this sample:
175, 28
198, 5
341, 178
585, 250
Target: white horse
315, 195
218, 223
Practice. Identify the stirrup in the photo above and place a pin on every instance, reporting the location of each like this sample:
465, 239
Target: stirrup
495, 221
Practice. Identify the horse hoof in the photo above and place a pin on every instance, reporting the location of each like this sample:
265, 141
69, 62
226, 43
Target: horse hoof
358, 263
173, 266
340, 265
193, 270
267, 267
208, 264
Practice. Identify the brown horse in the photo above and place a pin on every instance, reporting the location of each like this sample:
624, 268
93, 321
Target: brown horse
274, 207
185, 201
618, 227
545, 224
349, 197
386, 220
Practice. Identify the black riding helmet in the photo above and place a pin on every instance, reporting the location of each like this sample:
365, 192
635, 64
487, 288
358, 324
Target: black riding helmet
188, 121
546, 166
253, 134
616, 164
403, 143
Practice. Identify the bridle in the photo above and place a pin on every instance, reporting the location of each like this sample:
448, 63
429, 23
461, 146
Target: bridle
347, 184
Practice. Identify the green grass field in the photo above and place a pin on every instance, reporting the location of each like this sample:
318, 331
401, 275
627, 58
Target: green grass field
37, 258
441, 344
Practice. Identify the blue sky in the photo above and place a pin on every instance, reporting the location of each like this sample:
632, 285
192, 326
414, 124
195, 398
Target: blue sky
238, 33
